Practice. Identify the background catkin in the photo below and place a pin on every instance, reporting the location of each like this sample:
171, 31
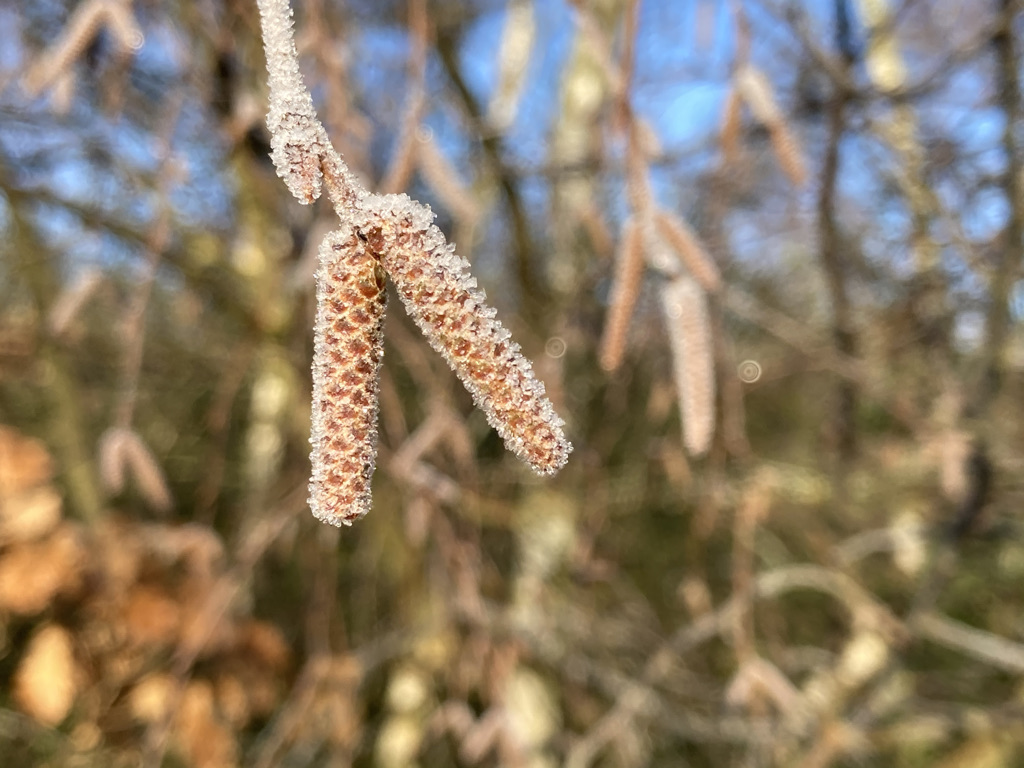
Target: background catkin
629, 272
684, 304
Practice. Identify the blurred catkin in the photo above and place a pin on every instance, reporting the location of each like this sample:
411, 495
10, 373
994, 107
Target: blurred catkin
629, 271
689, 330
123, 449
691, 251
756, 90
87, 21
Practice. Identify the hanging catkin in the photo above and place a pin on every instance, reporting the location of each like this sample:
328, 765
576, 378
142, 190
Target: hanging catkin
684, 305
629, 272
348, 347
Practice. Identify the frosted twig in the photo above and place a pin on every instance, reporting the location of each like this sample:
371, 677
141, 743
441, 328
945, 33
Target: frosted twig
389, 234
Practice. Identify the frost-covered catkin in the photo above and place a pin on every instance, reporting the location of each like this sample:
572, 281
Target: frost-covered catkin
685, 306
445, 302
348, 347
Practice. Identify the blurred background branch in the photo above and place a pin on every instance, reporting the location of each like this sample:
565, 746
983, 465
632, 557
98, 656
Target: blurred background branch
807, 554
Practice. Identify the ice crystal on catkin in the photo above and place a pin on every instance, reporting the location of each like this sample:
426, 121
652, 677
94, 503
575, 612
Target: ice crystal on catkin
445, 302
348, 346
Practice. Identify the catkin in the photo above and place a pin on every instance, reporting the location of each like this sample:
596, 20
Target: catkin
787, 152
732, 125
451, 311
689, 330
122, 449
81, 29
757, 92
690, 250
348, 348
629, 271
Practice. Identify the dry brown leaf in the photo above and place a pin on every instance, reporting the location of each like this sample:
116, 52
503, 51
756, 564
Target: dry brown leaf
29, 515
334, 713
337, 707
150, 698
201, 733
233, 700
32, 574
151, 616
48, 678
265, 644
24, 462
205, 629
246, 693
120, 553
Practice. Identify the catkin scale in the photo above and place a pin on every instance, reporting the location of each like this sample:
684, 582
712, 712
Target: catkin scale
348, 348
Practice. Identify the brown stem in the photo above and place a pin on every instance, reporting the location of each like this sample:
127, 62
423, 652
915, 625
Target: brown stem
532, 289
832, 264
1007, 269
